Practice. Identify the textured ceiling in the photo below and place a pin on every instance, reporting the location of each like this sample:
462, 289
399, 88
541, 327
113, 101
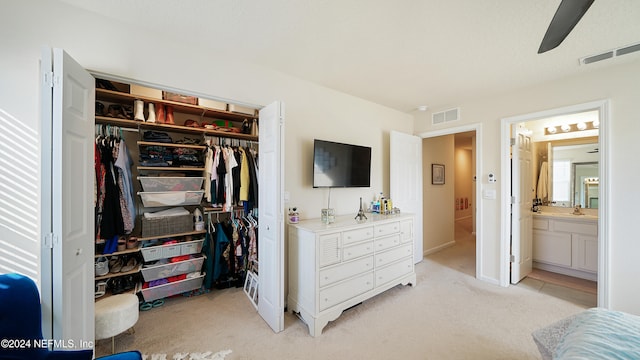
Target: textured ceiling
400, 54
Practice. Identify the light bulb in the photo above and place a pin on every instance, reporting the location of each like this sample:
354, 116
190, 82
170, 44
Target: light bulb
551, 129
581, 126
565, 128
596, 123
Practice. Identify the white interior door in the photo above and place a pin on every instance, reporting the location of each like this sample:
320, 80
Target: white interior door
67, 179
271, 205
406, 181
521, 216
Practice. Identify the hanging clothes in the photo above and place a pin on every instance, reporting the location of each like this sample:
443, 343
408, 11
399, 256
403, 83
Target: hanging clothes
244, 176
125, 186
543, 187
208, 168
111, 223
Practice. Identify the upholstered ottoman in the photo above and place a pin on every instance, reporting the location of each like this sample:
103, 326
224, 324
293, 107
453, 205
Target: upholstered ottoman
115, 315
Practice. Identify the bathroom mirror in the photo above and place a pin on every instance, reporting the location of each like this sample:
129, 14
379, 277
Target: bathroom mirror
574, 174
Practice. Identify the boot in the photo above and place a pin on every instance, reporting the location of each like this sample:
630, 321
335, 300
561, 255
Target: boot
152, 113
138, 110
169, 119
160, 113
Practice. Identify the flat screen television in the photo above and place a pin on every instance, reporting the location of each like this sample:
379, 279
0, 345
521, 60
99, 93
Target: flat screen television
341, 165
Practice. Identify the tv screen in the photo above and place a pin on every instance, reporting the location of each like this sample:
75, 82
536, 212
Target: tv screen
341, 165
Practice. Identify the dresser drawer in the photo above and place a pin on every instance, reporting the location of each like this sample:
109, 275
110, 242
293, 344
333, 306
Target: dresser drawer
387, 229
387, 242
353, 236
344, 291
387, 257
394, 271
406, 231
329, 252
354, 251
345, 270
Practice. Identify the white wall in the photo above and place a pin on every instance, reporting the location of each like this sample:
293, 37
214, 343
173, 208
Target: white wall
107, 46
620, 85
438, 200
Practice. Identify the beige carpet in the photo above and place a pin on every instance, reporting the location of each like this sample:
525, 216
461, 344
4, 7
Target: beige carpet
447, 315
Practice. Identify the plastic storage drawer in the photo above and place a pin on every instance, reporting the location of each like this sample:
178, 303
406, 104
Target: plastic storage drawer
172, 288
170, 183
155, 272
152, 253
171, 198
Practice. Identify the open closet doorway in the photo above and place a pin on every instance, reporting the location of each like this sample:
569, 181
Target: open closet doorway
555, 201
451, 211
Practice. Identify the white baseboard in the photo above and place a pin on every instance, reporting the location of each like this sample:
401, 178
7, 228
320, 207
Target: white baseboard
565, 271
438, 248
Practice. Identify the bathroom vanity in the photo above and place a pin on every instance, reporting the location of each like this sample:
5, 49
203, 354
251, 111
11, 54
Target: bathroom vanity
566, 244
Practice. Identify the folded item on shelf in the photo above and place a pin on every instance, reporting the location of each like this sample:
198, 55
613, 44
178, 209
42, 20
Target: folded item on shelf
175, 211
157, 136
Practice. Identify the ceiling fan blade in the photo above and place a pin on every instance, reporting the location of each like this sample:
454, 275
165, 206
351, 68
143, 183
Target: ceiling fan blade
567, 16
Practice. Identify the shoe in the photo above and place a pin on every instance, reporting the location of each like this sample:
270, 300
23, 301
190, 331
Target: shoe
117, 265
99, 109
151, 118
101, 289
115, 111
122, 244
160, 118
130, 264
132, 242
102, 266
116, 286
138, 110
169, 116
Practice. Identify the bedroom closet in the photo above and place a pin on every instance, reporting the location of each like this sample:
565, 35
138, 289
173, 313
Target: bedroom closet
180, 214
68, 197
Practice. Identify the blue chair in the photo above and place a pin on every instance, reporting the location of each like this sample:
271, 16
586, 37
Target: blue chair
21, 322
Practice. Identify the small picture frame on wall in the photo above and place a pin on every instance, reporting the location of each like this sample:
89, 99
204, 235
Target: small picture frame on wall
437, 174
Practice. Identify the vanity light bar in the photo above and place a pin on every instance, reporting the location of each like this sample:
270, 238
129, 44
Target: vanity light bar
566, 128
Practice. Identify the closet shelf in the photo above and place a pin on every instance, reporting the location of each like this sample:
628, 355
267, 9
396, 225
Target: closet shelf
112, 275
133, 124
116, 96
209, 209
172, 235
170, 168
184, 146
127, 251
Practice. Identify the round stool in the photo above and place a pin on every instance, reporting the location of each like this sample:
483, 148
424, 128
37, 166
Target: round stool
114, 315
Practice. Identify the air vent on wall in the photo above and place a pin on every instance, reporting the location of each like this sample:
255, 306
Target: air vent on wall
610, 54
445, 116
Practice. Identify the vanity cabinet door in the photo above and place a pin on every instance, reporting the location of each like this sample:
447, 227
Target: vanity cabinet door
585, 252
552, 248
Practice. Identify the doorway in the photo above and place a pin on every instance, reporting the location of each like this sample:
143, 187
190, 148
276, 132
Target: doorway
437, 198
509, 259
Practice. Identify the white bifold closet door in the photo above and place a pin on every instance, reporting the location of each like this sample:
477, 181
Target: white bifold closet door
67, 179
271, 224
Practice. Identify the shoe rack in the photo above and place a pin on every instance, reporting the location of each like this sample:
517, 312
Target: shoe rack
119, 107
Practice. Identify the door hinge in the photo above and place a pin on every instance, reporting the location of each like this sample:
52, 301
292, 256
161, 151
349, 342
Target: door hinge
513, 199
50, 240
512, 141
512, 258
47, 78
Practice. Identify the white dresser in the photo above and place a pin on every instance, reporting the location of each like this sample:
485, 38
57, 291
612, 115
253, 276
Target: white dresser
336, 266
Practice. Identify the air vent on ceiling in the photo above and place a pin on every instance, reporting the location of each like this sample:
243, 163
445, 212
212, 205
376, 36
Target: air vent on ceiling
610, 54
445, 116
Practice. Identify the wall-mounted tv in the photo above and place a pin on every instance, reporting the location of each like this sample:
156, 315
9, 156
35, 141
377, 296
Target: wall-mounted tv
341, 165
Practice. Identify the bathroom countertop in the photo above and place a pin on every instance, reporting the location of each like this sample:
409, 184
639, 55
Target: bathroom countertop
568, 216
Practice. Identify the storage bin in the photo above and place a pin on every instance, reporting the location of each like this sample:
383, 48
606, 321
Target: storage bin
212, 104
152, 253
170, 183
171, 198
145, 91
174, 288
166, 225
242, 109
179, 98
191, 247
150, 273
